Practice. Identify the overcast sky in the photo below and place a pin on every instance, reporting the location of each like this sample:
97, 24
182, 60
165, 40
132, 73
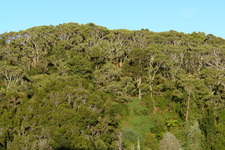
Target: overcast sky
156, 15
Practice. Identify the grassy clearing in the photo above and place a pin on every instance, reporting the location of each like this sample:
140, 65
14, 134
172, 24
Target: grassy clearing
138, 119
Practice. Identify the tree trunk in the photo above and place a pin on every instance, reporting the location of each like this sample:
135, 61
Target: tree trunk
132, 147
120, 144
188, 107
139, 93
139, 80
138, 144
153, 100
120, 63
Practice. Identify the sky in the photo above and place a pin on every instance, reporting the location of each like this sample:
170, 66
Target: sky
156, 15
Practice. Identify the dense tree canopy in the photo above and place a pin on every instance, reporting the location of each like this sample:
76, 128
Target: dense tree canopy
75, 86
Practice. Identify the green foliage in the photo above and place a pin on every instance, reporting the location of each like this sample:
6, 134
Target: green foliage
78, 65
169, 141
150, 142
171, 123
75, 86
193, 137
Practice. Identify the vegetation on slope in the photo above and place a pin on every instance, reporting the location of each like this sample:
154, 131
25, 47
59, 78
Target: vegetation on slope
77, 86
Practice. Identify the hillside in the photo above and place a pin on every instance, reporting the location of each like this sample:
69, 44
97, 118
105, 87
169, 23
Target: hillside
74, 86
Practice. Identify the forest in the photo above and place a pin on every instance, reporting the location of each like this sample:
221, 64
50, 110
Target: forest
85, 87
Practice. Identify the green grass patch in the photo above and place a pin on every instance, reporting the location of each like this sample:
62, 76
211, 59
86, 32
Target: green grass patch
138, 119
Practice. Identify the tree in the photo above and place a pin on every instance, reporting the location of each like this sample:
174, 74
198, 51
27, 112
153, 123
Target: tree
106, 75
193, 137
121, 44
207, 125
12, 74
155, 59
135, 67
169, 142
80, 66
150, 141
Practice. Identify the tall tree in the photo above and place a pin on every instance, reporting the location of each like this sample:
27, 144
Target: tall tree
135, 67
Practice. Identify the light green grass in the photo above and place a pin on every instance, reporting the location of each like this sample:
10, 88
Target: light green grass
138, 120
